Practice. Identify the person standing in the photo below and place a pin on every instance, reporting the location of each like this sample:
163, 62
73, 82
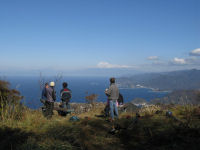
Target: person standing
113, 94
51, 97
65, 95
44, 94
44, 98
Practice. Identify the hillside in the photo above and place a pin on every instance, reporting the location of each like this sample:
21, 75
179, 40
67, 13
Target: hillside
180, 97
32, 131
143, 128
176, 80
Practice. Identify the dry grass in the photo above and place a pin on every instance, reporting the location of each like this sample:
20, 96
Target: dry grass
34, 132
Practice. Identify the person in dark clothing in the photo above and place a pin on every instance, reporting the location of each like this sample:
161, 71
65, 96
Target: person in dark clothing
120, 99
51, 97
44, 94
65, 95
44, 98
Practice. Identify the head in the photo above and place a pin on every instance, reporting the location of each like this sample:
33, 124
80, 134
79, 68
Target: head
52, 84
65, 84
112, 80
46, 85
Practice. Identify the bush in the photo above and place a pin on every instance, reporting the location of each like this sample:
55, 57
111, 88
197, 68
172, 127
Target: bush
91, 99
10, 107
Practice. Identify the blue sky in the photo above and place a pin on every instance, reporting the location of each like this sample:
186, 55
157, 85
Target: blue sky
89, 37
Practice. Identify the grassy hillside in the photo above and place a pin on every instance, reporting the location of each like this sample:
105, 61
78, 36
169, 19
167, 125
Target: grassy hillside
25, 129
153, 130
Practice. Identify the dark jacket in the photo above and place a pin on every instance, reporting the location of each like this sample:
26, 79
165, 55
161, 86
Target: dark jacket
51, 95
65, 94
120, 99
44, 94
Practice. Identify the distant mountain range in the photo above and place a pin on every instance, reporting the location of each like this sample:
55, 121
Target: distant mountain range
179, 97
176, 80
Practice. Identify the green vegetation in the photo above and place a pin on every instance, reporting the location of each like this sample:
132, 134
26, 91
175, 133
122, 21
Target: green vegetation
139, 101
181, 97
153, 130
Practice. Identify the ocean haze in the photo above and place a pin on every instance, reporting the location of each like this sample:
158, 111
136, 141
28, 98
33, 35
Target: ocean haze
87, 72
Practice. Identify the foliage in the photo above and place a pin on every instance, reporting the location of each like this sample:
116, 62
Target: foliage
10, 107
91, 99
25, 129
138, 101
8, 95
181, 97
34, 132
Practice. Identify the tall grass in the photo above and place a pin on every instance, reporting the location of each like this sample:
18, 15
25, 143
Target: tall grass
27, 129
10, 111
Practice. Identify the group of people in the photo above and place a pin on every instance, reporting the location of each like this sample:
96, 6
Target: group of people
49, 97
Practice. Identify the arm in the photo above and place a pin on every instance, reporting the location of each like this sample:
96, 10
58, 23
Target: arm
108, 92
43, 94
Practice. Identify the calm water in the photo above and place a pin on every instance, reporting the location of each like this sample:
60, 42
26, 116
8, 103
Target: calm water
80, 86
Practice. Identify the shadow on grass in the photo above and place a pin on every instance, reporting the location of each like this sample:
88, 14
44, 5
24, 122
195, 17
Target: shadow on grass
92, 134
12, 138
160, 136
85, 135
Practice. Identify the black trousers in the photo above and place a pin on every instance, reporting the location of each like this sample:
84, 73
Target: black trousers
49, 109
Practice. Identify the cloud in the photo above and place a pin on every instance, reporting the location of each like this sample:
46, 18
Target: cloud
152, 58
109, 66
179, 61
195, 52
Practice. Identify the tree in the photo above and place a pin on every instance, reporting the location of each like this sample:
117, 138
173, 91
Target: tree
91, 98
10, 106
7, 95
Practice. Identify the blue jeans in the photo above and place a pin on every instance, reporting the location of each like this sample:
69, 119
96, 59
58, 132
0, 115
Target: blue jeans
66, 105
113, 108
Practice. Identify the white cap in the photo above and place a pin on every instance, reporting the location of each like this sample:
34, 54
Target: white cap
52, 83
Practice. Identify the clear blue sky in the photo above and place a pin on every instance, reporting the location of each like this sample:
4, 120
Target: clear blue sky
77, 35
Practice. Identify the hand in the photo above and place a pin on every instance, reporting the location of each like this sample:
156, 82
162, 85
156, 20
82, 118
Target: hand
106, 90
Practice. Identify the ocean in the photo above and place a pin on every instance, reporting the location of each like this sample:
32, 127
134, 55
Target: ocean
29, 87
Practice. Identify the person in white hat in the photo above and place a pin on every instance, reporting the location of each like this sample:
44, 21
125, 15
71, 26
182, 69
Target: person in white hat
52, 84
51, 97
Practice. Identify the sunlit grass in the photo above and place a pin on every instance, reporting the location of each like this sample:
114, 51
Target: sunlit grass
33, 131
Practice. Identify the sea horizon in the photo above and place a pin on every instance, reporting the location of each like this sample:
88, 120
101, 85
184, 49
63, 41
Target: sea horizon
29, 87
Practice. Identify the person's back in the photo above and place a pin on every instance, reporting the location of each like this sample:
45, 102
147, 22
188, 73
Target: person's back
113, 95
65, 95
113, 92
120, 99
49, 94
50, 98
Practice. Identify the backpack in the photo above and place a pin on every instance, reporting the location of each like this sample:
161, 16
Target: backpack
65, 94
74, 119
120, 99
